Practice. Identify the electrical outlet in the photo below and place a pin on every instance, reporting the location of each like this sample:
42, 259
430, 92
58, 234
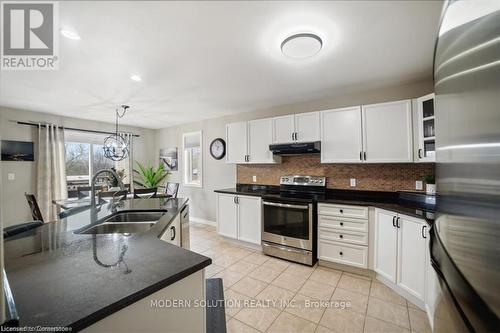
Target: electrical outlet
254, 179
419, 185
11, 176
353, 182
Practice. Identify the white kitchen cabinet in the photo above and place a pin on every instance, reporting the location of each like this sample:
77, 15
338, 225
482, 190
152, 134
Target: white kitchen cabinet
386, 235
237, 144
302, 127
387, 132
400, 251
248, 142
172, 234
260, 136
307, 127
426, 127
341, 137
227, 215
343, 234
412, 258
284, 129
249, 219
239, 217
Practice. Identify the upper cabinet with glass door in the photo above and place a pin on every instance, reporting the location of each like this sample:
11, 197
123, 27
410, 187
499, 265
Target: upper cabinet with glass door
426, 129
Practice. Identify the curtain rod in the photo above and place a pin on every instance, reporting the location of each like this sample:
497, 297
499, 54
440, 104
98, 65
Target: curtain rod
71, 128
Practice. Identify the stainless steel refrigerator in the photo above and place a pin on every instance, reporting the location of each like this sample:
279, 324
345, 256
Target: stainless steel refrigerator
465, 240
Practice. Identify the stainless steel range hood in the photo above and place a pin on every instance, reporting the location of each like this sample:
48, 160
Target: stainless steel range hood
296, 148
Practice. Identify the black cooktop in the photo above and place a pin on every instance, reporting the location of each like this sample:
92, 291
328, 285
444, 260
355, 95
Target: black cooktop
291, 196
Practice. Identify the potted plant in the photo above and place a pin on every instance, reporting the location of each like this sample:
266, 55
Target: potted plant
150, 176
430, 184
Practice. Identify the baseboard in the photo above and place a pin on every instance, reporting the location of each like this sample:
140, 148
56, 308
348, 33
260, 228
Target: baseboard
346, 268
202, 221
419, 303
430, 316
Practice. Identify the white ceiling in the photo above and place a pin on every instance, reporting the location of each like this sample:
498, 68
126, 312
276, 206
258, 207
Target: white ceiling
201, 60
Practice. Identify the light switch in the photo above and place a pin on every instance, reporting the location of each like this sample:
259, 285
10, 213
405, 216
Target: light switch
353, 182
11, 176
254, 179
419, 185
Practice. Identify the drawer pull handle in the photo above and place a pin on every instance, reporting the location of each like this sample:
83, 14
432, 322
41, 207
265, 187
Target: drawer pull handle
341, 236
342, 211
342, 223
341, 253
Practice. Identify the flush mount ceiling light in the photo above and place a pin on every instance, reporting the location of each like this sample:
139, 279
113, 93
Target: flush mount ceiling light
302, 45
135, 78
70, 34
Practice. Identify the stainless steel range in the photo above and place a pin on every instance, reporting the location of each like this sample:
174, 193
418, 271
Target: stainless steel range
289, 219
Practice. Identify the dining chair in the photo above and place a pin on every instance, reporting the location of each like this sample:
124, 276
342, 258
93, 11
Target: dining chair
35, 209
83, 191
120, 195
171, 189
13, 230
145, 193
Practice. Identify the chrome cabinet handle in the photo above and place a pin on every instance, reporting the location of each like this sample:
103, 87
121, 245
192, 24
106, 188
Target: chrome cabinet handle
423, 232
266, 203
360, 155
394, 221
419, 153
364, 154
397, 222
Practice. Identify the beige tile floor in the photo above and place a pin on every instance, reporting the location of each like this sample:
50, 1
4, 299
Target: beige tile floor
266, 294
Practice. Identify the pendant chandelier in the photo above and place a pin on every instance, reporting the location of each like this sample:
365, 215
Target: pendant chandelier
116, 146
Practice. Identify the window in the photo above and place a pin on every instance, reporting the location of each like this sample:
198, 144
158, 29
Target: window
85, 156
193, 159
77, 161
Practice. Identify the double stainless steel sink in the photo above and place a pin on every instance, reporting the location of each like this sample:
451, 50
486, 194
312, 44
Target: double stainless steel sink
125, 222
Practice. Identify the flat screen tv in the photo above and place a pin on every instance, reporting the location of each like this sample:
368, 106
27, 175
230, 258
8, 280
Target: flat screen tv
17, 151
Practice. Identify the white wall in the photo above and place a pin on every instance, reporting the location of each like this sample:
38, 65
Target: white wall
218, 174
15, 207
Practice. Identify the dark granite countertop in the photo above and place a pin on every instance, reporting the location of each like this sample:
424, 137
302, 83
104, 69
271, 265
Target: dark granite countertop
59, 278
408, 203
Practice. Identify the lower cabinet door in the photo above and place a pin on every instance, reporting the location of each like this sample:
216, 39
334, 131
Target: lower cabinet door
411, 260
172, 234
386, 240
227, 215
250, 215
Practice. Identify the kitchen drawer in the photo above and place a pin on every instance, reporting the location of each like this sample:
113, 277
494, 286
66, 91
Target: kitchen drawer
360, 238
342, 224
358, 212
343, 253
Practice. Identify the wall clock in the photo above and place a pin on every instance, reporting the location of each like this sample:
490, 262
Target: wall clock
218, 148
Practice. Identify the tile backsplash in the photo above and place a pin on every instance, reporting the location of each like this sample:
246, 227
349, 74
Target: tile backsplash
379, 177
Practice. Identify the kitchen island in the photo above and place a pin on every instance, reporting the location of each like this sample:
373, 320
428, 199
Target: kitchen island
61, 277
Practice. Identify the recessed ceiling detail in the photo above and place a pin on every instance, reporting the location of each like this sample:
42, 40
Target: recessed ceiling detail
302, 45
136, 78
70, 34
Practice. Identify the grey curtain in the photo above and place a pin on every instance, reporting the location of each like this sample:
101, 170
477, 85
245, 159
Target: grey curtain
51, 170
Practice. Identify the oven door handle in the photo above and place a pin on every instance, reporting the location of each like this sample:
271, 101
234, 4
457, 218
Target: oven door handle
266, 203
